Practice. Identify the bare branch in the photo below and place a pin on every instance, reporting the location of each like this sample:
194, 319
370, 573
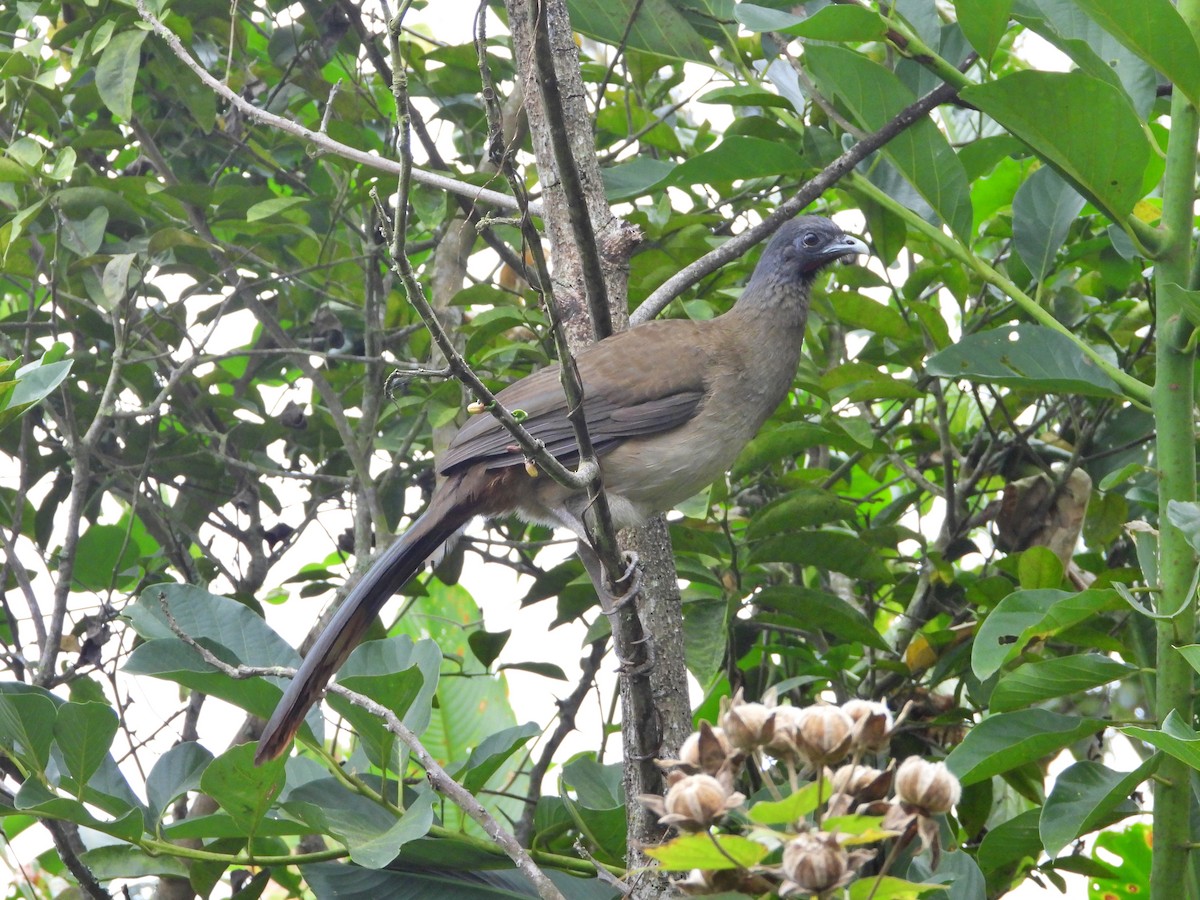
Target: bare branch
323, 141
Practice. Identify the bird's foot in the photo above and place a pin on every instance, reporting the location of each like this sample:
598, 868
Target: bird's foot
633, 576
637, 667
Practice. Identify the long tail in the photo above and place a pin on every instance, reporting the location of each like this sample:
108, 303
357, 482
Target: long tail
450, 508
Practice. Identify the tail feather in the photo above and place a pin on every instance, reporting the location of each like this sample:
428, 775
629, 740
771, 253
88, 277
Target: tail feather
447, 513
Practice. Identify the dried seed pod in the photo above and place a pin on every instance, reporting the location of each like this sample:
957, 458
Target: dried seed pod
872, 725
747, 725
693, 802
823, 735
815, 862
706, 750
786, 725
928, 787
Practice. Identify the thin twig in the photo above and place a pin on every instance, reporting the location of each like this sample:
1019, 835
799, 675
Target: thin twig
323, 141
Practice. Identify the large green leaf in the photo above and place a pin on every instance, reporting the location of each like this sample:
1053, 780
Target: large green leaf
84, 732
1059, 114
653, 26
27, 728
1043, 211
984, 23
436, 879
175, 773
838, 551
1155, 31
245, 791
1027, 357
811, 608
1088, 796
832, 23
116, 73
705, 851
1024, 616
1035, 682
1004, 742
1176, 738
372, 834
921, 153
737, 158
1065, 25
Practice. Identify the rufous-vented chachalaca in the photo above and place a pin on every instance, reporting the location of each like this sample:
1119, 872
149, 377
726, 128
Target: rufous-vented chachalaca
669, 405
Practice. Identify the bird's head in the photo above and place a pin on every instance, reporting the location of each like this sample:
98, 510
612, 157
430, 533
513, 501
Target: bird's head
803, 247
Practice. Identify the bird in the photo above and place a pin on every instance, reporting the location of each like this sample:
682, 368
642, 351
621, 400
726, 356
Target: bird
668, 404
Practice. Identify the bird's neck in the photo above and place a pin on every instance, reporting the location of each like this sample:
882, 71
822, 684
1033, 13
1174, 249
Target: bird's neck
774, 301
766, 326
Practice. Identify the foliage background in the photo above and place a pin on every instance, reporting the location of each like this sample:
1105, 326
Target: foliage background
905, 528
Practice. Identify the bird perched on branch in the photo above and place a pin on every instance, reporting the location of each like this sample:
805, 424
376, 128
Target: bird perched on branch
668, 405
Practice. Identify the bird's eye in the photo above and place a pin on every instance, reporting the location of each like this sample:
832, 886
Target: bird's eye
811, 239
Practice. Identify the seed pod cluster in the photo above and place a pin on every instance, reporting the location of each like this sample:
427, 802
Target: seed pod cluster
840, 753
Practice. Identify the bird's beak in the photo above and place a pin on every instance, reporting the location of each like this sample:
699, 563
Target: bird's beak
846, 249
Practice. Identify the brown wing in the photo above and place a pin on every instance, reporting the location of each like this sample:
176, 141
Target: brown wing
627, 392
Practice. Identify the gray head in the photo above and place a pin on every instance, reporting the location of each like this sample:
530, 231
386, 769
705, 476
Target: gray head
801, 248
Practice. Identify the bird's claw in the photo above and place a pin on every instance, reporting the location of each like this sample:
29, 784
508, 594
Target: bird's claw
631, 576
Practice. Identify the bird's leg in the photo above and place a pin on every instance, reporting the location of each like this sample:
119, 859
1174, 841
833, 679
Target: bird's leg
610, 602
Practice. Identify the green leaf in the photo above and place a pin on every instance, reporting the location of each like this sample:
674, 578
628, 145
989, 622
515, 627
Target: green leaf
785, 442
1039, 567
790, 809
833, 550
84, 236
737, 158
593, 796
84, 732
116, 73
242, 789
107, 557
1025, 357
832, 23
636, 178
32, 384
115, 280
1011, 841
1176, 738
397, 672
34, 797
653, 26
817, 609
804, 507
700, 851
486, 645
1004, 742
119, 861
372, 834
859, 311
1088, 796
1035, 682
177, 771
1185, 515
234, 632
984, 23
27, 728
1155, 31
921, 153
486, 759
265, 209
1058, 114
1044, 209
1130, 851
1024, 616
889, 887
